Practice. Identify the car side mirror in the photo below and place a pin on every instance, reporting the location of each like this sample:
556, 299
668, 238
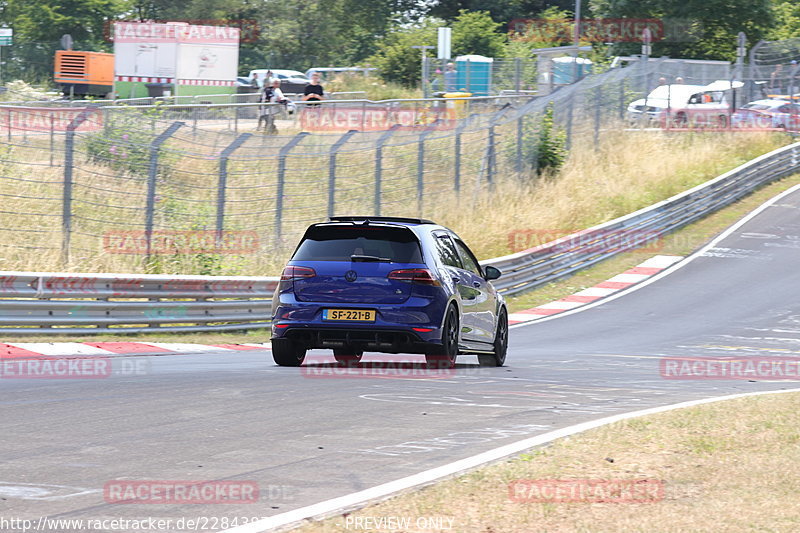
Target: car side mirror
490, 273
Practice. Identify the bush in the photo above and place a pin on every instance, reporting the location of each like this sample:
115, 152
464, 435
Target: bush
124, 145
545, 145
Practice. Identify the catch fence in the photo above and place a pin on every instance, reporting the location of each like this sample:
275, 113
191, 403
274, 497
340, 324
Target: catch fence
197, 189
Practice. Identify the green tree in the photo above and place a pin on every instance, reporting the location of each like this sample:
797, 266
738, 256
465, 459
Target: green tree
502, 11
787, 20
710, 26
47, 20
474, 32
396, 60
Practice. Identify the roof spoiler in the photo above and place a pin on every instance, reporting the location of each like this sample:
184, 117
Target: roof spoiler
368, 219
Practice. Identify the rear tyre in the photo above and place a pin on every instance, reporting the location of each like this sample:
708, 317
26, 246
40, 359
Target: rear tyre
500, 343
446, 356
287, 353
346, 356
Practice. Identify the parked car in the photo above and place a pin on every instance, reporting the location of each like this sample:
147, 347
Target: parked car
769, 113
681, 105
326, 72
660, 100
392, 285
292, 81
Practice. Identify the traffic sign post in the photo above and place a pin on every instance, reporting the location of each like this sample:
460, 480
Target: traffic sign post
6, 39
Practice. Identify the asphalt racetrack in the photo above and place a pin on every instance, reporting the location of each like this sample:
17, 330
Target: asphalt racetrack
309, 434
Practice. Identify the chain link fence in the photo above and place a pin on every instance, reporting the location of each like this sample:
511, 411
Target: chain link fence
775, 65
197, 189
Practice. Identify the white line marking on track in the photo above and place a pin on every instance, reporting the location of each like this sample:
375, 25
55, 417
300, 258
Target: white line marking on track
680, 264
188, 348
596, 291
661, 261
357, 500
558, 304
61, 348
629, 278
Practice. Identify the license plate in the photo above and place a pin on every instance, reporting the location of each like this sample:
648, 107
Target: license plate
361, 315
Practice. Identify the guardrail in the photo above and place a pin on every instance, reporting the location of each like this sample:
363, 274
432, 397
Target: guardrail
42, 303
550, 261
34, 303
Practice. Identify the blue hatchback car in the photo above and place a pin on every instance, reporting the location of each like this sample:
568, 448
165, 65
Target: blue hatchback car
387, 284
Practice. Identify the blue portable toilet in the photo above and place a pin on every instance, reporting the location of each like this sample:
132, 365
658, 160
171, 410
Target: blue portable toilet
564, 69
474, 74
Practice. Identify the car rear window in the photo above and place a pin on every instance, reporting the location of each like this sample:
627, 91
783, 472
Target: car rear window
339, 243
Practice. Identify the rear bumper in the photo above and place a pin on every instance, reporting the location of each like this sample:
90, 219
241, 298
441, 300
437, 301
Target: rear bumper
411, 327
358, 338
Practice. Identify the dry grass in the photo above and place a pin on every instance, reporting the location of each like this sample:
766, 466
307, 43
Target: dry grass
732, 466
631, 170
682, 242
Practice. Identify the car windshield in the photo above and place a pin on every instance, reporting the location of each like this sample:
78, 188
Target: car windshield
757, 106
343, 243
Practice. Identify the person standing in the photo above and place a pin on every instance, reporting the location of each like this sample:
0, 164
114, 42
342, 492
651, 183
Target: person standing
450, 78
274, 96
314, 91
271, 95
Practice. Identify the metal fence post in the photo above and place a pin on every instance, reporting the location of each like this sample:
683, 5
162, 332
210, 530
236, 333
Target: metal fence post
421, 169
284, 152
457, 155
223, 181
520, 134
152, 172
491, 149
66, 203
570, 105
490, 156
598, 98
379, 166
622, 99
517, 74
52, 140
332, 170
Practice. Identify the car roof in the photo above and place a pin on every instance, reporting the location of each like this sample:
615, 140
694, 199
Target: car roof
260, 71
770, 101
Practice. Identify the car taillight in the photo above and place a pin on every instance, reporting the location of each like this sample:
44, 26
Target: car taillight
295, 272
414, 275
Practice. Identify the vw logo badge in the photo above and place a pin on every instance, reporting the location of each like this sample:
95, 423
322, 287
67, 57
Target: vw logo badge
350, 275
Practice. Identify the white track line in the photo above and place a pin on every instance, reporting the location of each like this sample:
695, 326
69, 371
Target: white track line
362, 498
60, 348
747, 218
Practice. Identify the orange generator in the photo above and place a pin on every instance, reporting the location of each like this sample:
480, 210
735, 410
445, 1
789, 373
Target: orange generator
84, 73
